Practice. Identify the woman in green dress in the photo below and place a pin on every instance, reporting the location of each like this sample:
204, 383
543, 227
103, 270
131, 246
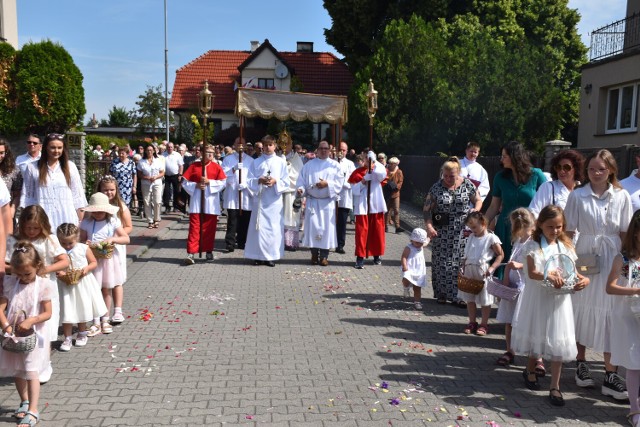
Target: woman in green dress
513, 187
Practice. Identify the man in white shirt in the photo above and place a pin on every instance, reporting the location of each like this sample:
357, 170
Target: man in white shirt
174, 164
320, 181
632, 185
472, 170
34, 148
345, 199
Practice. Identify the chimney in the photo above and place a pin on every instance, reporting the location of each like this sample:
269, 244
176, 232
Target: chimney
304, 47
254, 45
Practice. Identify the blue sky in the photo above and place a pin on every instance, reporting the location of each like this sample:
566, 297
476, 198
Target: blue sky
119, 44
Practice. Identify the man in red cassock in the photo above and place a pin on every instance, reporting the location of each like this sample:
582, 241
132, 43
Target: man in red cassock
369, 209
212, 183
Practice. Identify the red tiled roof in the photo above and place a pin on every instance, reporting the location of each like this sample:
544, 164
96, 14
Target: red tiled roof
319, 72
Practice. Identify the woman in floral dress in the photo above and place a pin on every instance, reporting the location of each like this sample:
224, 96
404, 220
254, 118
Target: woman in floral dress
124, 171
445, 209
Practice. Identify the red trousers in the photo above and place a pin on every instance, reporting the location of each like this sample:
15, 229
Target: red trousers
208, 233
370, 235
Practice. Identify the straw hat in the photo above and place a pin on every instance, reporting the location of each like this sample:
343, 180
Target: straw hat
99, 202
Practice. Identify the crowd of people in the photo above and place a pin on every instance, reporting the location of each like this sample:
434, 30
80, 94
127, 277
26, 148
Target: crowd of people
66, 257
531, 227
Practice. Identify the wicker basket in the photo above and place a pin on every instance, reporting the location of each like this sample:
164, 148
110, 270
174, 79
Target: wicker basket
497, 289
560, 262
102, 250
72, 276
468, 285
21, 343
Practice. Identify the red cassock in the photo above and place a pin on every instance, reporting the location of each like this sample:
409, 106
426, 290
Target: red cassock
213, 172
369, 236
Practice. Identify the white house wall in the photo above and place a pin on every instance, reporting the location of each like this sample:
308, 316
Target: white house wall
263, 67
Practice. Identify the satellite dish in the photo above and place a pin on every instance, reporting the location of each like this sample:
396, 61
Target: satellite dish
281, 71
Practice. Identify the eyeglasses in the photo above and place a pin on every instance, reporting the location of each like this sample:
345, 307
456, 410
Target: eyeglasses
564, 168
32, 142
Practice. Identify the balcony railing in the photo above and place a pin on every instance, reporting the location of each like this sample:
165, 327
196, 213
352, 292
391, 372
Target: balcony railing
613, 39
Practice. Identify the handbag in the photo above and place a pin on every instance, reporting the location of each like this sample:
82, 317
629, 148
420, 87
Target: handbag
440, 219
588, 264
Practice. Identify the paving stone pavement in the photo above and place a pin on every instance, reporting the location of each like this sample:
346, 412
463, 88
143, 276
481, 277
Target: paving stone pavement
228, 343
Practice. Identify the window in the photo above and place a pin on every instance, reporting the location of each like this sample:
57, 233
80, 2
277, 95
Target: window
266, 84
622, 108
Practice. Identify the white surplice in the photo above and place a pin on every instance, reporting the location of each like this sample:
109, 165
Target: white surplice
234, 177
294, 166
320, 211
345, 198
265, 238
376, 198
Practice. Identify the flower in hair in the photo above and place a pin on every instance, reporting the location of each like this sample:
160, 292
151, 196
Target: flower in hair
22, 249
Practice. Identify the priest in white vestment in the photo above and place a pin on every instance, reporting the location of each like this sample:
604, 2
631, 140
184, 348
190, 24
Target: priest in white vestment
320, 181
268, 178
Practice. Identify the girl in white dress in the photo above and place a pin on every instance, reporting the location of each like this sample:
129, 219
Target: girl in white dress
624, 281
109, 186
482, 246
414, 269
26, 290
543, 320
82, 302
102, 226
54, 183
33, 225
522, 225
600, 212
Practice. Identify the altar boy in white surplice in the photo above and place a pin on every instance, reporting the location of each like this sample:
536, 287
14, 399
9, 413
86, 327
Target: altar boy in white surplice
268, 179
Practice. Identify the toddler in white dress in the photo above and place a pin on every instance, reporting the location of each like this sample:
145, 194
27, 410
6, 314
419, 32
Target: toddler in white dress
414, 269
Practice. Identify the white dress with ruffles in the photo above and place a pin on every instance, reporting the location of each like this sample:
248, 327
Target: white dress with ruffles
416, 272
477, 254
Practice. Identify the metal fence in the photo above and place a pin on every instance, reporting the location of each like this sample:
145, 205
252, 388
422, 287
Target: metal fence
613, 39
96, 169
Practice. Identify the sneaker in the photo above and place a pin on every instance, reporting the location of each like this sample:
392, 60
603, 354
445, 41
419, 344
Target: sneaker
66, 344
359, 263
614, 386
583, 374
417, 305
407, 292
210, 256
377, 260
118, 317
189, 260
81, 340
94, 330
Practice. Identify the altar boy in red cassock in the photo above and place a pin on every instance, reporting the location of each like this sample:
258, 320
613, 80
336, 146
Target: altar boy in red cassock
370, 238
212, 184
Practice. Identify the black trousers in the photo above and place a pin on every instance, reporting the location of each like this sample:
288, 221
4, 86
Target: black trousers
341, 226
171, 188
237, 227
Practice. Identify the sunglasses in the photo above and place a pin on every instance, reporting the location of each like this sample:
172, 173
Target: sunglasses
565, 168
55, 136
32, 142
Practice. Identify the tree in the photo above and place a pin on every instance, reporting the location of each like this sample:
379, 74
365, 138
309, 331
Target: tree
533, 38
7, 89
442, 84
49, 91
120, 117
151, 109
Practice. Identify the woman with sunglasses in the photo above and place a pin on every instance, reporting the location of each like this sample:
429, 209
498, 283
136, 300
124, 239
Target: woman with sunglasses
567, 172
54, 183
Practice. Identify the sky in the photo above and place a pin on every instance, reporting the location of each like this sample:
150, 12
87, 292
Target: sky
119, 45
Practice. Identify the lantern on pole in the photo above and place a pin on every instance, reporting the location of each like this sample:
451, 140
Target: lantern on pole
205, 104
372, 108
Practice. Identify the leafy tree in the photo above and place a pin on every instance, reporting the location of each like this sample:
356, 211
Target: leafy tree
49, 91
518, 47
151, 109
120, 117
7, 89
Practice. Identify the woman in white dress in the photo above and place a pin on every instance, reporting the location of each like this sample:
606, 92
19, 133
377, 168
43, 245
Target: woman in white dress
53, 182
600, 212
567, 172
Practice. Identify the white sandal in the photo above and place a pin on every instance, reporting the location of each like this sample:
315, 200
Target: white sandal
106, 328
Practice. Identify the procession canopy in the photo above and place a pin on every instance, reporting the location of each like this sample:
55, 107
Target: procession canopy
291, 105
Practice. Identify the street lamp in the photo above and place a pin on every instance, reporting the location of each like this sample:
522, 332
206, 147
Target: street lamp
372, 107
205, 102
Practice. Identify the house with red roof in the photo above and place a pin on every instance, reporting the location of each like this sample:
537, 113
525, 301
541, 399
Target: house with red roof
261, 67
